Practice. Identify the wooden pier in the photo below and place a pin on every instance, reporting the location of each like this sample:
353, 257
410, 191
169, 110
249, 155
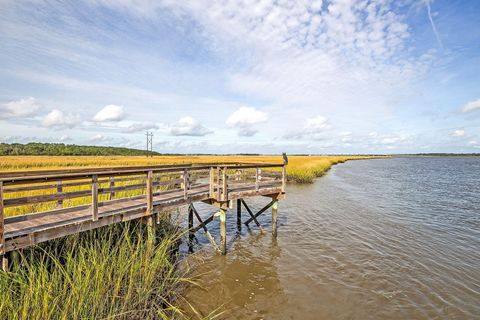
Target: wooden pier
59, 203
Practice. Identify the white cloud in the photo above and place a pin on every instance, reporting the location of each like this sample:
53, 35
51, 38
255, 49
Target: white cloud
110, 112
319, 123
59, 120
137, 127
246, 116
471, 106
19, 109
247, 132
458, 133
100, 138
314, 128
187, 126
308, 53
65, 138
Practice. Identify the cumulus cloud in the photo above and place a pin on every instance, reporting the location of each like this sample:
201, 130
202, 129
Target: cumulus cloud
458, 133
137, 127
57, 119
110, 112
313, 128
244, 118
100, 138
471, 106
319, 123
19, 109
187, 126
247, 132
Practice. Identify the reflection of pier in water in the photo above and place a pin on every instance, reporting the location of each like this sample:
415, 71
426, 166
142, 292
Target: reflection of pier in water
65, 202
243, 284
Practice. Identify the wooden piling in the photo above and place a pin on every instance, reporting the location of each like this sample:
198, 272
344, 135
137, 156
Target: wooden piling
274, 218
239, 215
151, 234
191, 234
6, 262
223, 231
149, 192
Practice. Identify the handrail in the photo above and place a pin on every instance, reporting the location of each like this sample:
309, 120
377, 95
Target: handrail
10, 178
146, 179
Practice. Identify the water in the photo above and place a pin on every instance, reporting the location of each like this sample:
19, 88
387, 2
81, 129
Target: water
376, 239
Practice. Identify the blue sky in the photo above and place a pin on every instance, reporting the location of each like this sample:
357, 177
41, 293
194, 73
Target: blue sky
243, 76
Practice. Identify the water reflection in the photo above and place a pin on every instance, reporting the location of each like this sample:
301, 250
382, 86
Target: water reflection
246, 289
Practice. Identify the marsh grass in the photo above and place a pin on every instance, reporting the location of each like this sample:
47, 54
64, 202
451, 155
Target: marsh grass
107, 273
302, 169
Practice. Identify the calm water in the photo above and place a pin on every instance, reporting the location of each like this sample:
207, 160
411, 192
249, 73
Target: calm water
378, 239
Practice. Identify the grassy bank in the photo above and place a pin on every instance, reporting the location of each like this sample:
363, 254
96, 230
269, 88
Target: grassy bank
302, 169
108, 273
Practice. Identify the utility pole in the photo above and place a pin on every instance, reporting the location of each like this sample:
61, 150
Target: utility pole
149, 143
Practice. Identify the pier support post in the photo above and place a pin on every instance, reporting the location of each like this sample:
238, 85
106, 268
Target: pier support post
274, 218
239, 215
151, 234
223, 231
5, 262
150, 216
190, 228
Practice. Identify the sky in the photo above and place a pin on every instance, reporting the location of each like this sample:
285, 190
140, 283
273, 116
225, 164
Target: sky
309, 77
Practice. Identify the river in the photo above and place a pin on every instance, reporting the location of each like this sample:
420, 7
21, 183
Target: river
373, 239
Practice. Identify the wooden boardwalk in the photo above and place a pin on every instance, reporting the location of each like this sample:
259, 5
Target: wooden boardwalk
57, 203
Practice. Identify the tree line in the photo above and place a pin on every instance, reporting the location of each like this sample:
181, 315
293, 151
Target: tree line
61, 149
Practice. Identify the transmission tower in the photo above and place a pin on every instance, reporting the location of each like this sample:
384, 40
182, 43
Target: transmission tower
149, 143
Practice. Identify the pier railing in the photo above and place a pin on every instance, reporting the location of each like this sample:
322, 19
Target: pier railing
31, 194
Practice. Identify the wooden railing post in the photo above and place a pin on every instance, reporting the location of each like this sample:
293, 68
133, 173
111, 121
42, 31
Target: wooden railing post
212, 183
112, 185
284, 177
59, 190
218, 183
257, 178
185, 184
94, 197
225, 186
2, 229
149, 192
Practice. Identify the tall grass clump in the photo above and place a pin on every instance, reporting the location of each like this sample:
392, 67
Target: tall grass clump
107, 273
